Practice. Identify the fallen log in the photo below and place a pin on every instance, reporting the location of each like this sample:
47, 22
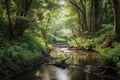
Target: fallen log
62, 63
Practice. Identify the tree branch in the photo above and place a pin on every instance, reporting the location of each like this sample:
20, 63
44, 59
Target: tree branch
76, 6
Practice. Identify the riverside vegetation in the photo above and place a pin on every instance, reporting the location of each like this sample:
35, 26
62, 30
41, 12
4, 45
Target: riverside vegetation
28, 28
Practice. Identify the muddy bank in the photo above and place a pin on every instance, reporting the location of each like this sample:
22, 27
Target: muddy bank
9, 71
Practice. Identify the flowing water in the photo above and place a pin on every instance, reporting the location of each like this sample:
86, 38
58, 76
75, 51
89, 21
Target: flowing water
81, 65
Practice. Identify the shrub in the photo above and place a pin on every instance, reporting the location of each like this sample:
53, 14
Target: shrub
21, 24
82, 43
111, 56
35, 43
21, 52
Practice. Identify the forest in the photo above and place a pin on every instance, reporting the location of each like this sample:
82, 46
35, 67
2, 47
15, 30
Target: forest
80, 36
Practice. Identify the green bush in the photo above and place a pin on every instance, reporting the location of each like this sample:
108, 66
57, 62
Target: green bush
21, 52
111, 56
103, 42
21, 24
98, 39
107, 29
34, 43
3, 29
82, 43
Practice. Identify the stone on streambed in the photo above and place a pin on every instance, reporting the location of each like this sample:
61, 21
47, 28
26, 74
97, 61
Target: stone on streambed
88, 68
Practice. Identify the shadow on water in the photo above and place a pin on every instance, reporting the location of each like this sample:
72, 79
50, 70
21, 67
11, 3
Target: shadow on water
81, 64
55, 73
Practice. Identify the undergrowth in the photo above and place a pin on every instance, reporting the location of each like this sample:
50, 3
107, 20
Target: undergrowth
103, 42
21, 52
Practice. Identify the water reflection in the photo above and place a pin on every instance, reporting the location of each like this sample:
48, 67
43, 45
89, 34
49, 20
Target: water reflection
45, 75
48, 72
80, 57
52, 73
61, 74
55, 73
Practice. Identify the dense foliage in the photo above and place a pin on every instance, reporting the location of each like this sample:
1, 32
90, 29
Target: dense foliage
29, 27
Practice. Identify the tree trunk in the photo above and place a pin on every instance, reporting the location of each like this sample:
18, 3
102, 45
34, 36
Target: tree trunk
97, 13
84, 14
23, 7
46, 30
9, 19
27, 6
116, 4
91, 17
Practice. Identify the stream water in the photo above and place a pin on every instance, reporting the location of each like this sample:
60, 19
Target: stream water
81, 65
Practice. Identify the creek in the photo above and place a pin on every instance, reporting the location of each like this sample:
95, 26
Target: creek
82, 65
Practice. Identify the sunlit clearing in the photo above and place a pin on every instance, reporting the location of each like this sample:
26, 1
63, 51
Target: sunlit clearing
62, 2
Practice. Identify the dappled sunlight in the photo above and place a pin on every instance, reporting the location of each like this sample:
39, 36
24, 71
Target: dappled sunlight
60, 36
62, 2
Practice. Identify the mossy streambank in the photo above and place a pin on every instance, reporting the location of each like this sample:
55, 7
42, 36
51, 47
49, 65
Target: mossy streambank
20, 55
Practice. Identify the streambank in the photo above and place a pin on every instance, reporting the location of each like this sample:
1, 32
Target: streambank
84, 70
9, 71
79, 66
89, 60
